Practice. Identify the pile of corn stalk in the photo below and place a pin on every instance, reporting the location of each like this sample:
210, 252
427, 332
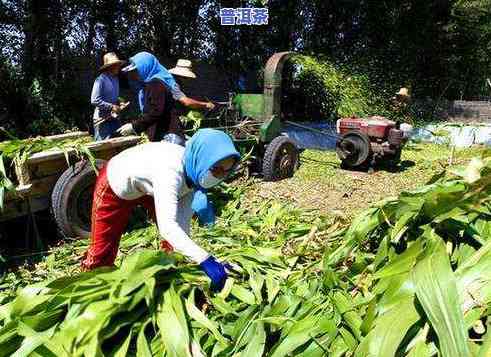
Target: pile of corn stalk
409, 277
17, 151
426, 288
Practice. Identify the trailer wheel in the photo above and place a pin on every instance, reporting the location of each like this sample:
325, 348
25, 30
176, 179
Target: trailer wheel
71, 200
281, 159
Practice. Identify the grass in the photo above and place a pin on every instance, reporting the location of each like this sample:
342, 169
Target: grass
321, 184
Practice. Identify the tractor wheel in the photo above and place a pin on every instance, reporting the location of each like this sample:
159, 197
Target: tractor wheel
71, 200
353, 149
281, 159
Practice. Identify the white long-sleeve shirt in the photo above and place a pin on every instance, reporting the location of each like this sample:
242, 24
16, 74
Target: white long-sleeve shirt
157, 169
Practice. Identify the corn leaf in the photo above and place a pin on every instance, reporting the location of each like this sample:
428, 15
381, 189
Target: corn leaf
390, 328
122, 351
204, 321
255, 347
142, 347
436, 290
173, 326
299, 334
243, 294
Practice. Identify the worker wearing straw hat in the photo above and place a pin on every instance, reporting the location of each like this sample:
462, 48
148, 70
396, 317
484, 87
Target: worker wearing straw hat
105, 93
403, 93
401, 103
158, 92
183, 68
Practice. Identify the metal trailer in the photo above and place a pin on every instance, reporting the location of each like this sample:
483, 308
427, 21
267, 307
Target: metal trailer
254, 123
46, 181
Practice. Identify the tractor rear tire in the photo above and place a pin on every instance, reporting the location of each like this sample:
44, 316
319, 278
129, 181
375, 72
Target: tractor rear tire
71, 199
281, 159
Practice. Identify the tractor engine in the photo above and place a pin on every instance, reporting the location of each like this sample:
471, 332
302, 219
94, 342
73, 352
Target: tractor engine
365, 142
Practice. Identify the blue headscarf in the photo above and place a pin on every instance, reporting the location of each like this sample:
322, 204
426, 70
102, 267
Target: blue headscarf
206, 148
149, 68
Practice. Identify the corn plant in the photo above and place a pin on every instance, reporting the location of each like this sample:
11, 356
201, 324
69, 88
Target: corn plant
157, 305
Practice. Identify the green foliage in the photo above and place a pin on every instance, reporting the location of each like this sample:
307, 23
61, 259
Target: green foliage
322, 90
439, 49
17, 151
192, 120
30, 108
154, 302
411, 276
430, 269
470, 31
46, 121
5, 183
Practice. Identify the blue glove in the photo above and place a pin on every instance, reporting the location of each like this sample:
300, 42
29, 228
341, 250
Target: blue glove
203, 208
216, 272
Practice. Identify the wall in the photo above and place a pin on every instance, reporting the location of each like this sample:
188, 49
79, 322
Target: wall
469, 111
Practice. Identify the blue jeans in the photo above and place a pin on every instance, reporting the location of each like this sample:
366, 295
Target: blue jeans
104, 130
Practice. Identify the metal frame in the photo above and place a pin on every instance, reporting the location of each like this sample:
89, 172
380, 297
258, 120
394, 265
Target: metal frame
273, 74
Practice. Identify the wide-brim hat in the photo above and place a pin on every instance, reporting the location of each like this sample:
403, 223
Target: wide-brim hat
111, 59
183, 68
403, 92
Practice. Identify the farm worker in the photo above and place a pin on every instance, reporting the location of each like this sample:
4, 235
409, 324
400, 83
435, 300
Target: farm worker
105, 93
183, 69
157, 93
170, 181
401, 103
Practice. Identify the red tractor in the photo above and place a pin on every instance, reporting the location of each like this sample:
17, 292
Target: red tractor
363, 143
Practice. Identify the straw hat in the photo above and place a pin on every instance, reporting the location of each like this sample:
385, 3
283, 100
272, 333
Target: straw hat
111, 59
183, 68
403, 92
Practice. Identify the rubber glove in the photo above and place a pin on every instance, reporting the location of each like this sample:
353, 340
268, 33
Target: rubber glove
126, 130
202, 206
216, 272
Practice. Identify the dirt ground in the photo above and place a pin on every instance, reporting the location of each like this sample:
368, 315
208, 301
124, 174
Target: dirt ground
321, 184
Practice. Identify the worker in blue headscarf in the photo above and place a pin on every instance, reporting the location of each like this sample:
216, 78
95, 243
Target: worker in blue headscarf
158, 92
171, 182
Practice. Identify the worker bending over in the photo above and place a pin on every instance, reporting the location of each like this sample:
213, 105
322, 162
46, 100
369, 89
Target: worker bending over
170, 181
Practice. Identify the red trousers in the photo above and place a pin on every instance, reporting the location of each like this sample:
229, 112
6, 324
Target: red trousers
110, 216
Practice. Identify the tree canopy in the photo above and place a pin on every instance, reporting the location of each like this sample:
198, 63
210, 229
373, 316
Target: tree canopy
50, 49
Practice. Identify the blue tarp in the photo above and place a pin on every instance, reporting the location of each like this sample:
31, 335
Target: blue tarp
306, 139
458, 135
